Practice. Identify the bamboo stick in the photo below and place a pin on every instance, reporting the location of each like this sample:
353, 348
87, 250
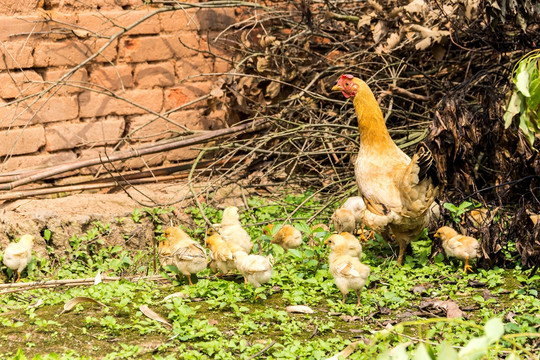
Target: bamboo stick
122, 155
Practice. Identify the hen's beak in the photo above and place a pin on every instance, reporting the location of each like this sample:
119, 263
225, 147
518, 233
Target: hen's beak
336, 88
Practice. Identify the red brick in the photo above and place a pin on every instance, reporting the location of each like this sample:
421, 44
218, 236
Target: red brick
95, 104
193, 66
91, 133
112, 77
72, 85
37, 161
182, 154
108, 55
21, 141
144, 162
185, 44
111, 22
70, 52
16, 54
216, 19
20, 83
159, 129
157, 74
222, 66
184, 94
67, 52
143, 49
57, 108
179, 20
10, 26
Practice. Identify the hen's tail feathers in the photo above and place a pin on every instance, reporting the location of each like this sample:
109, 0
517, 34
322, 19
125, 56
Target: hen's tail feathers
427, 166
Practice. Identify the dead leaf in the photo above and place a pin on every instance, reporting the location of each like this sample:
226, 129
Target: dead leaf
379, 31
272, 90
415, 6
70, 304
452, 310
476, 283
212, 322
153, 315
98, 279
180, 295
302, 309
262, 64
510, 317
419, 289
349, 318
217, 92
345, 352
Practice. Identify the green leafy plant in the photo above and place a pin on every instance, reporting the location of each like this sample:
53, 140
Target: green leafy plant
525, 99
457, 211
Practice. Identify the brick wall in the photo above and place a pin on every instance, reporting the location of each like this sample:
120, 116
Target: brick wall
148, 66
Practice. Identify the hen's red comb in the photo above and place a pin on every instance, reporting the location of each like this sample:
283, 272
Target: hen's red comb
347, 76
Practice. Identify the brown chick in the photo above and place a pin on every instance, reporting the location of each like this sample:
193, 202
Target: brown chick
231, 229
180, 250
288, 237
256, 269
346, 268
18, 255
220, 253
344, 220
458, 246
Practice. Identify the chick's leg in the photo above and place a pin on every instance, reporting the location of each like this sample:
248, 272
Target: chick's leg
18, 276
467, 267
358, 297
344, 298
189, 280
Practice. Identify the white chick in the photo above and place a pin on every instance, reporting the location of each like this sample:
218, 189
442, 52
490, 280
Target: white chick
256, 269
231, 229
18, 255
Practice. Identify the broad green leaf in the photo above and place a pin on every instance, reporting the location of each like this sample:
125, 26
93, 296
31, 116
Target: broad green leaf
534, 100
513, 356
494, 329
422, 353
447, 352
525, 125
399, 352
522, 78
475, 349
513, 108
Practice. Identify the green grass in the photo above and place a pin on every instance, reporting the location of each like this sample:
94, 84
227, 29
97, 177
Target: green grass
225, 319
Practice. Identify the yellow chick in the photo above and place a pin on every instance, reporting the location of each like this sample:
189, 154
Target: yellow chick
288, 237
256, 269
352, 243
220, 253
344, 220
231, 229
18, 255
347, 270
180, 250
458, 246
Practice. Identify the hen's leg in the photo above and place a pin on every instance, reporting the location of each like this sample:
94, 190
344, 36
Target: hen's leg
467, 267
402, 248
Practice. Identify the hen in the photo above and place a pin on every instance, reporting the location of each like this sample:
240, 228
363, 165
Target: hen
231, 229
458, 246
346, 268
18, 255
397, 191
180, 250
